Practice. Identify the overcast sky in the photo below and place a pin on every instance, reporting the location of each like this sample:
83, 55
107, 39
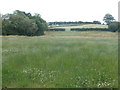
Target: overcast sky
64, 10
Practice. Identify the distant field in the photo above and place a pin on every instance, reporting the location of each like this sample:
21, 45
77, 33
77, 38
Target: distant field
87, 26
67, 28
61, 60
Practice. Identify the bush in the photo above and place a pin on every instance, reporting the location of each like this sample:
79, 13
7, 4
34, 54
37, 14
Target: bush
115, 26
57, 29
90, 29
21, 23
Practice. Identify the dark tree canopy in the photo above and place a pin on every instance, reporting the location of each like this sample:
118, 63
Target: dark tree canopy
73, 23
22, 23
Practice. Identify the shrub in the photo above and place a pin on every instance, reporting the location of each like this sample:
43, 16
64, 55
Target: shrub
114, 26
90, 29
57, 29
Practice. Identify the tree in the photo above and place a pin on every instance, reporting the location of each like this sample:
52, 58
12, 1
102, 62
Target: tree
41, 24
96, 22
21, 23
108, 18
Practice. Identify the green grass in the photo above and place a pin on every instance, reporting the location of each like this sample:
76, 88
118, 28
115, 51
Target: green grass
67, 28
61, 60
82, 26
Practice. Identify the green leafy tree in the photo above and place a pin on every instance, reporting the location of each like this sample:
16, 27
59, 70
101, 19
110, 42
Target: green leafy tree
108, 18
21, 23
41, 24
96, 22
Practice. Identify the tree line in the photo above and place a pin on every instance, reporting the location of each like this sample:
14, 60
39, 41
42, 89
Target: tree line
71, 22
108, 19
22, 23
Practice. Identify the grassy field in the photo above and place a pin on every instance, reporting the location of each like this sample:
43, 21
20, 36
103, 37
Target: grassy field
81, 26
61, 60
67, 28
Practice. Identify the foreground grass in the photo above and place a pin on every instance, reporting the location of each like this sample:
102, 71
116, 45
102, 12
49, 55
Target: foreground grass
58, 60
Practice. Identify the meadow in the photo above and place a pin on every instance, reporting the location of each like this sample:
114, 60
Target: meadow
68, 27
61, 60
80, 26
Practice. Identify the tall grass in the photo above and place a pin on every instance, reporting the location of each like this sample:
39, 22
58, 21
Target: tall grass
55, 62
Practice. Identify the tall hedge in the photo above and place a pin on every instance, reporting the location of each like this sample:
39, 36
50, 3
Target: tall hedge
90, 29
115, 26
